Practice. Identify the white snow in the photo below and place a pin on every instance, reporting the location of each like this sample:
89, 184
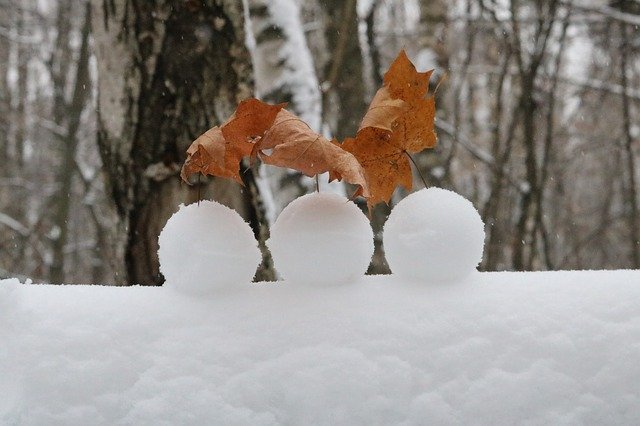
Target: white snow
433, 235
498, 348
321, 238
206, 247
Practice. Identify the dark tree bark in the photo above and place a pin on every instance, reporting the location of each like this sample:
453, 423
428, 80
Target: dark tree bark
631, 197
21, 107
167, 72
71, 112
343, 82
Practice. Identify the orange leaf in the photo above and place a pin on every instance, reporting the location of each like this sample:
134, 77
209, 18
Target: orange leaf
404, 82
385, 163
220, 150
384, 110
248, 124
414, 129
400, 120
206, 155
293, 144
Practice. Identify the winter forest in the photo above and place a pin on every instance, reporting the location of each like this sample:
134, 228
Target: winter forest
537, 121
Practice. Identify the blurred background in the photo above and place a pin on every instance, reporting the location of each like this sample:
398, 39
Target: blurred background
537, 119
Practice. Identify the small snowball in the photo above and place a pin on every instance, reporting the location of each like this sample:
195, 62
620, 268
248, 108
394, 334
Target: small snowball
321, 238
207, 247
433, 235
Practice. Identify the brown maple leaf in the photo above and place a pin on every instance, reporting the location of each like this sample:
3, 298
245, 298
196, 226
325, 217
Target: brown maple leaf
414, 129
219, 151
292, 143
247, 125
400, 120
383, 110
205, 155
385, 162
404, 81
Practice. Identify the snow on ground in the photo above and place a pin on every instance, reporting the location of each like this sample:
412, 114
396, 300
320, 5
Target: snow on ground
498, 348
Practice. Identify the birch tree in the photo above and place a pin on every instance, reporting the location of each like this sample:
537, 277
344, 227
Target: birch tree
167, 72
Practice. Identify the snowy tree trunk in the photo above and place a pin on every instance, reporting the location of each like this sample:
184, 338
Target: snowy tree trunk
284, 72
167, 72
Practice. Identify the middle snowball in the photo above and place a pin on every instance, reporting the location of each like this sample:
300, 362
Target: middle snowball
321, 238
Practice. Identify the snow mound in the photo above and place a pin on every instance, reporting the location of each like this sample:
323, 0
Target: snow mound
433, 235
8, 295
321, 238
513, 348
207, 247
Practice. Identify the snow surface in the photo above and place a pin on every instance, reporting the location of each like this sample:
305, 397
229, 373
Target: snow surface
498, 348
433, 235
321, 238
207, 247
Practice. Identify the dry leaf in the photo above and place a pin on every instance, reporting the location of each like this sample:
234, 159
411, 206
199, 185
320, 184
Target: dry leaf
404, 81
383, 110
291, 143
414, 129
206, 156
220, 150
400, 120
386, 164
248, 124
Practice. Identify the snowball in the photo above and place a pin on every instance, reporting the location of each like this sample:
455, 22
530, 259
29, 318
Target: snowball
321, 237
433, 235
207, 247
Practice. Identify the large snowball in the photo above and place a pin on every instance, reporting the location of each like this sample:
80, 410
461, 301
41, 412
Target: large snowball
321, 238
206, 248
433, 235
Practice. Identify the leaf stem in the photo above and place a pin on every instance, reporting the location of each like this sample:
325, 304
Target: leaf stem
424, 182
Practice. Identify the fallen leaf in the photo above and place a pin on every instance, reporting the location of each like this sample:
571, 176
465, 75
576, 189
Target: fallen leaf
414, 129
219, 151
399, 121
385, 162
248, 124
292, 143
404, 81
206, 156
383, 110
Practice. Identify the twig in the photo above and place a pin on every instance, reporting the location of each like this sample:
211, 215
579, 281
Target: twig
424, 182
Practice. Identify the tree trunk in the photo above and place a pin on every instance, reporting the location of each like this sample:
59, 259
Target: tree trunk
5, 97
167, 72
343, 104
631, 197
21, 107
284, 72
69, 142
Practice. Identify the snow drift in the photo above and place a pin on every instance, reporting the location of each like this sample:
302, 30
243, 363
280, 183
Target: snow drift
559, 348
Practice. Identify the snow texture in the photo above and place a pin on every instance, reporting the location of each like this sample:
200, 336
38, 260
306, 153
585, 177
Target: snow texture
499, 348
433, 235
207, 247
321, 238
